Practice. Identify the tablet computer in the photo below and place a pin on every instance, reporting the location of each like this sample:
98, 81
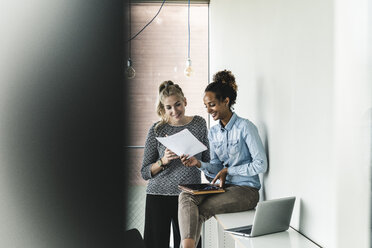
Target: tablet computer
201, 188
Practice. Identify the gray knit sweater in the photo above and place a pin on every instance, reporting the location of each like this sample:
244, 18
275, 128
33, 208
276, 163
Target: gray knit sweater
166, 181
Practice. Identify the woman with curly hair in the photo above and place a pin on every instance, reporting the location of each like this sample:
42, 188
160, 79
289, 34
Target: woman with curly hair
237, 157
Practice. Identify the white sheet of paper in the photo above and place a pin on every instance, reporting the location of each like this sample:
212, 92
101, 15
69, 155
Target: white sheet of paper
183, 143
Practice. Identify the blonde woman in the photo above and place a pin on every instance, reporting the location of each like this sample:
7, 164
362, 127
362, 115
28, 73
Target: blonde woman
164, 169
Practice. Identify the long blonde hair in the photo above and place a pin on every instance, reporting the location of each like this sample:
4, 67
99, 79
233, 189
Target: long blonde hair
166, 89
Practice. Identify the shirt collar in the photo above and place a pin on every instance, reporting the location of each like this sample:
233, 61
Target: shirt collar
230, 124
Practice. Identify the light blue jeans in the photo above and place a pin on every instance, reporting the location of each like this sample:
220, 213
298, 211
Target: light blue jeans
194, 210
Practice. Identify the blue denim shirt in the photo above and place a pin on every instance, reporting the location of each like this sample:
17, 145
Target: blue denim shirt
238, 147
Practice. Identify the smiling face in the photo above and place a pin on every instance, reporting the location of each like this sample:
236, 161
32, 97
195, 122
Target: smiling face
175, 109
219, 110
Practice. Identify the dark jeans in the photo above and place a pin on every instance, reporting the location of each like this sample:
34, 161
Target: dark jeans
161, 211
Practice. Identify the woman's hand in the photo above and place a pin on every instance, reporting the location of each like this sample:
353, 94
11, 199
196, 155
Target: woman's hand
166, 159
168, 156
222, 176
189, 161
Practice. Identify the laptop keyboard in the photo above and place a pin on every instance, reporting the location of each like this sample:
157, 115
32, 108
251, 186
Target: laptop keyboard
244, 229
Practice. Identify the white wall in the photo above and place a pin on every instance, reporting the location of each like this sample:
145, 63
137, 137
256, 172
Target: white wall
307, 87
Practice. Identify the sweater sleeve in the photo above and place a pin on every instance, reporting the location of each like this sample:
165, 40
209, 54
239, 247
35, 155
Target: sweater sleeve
205, 155
151, 154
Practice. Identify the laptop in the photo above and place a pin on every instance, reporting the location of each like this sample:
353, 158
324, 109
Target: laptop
270, 217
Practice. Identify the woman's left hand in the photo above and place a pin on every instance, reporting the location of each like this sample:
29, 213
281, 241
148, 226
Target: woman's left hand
222, 176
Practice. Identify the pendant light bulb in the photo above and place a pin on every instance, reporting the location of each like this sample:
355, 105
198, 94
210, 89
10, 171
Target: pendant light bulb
130, 72
188, 70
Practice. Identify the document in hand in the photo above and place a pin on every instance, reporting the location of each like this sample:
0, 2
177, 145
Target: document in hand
183, 143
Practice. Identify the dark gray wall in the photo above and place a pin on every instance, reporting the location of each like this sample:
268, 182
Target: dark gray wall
61, 126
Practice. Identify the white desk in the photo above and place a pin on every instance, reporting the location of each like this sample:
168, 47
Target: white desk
287, 239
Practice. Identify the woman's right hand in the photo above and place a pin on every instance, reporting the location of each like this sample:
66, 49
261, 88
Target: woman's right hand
168, 156
189, 161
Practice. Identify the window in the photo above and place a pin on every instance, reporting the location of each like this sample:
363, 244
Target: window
159, 53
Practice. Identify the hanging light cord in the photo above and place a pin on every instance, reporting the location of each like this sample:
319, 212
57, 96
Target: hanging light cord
149, 21
130, 29
188, 22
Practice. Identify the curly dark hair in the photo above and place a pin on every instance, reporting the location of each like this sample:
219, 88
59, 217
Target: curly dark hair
223, 86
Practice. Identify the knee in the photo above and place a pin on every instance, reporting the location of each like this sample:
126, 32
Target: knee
206, 212
182, 198
185, 197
